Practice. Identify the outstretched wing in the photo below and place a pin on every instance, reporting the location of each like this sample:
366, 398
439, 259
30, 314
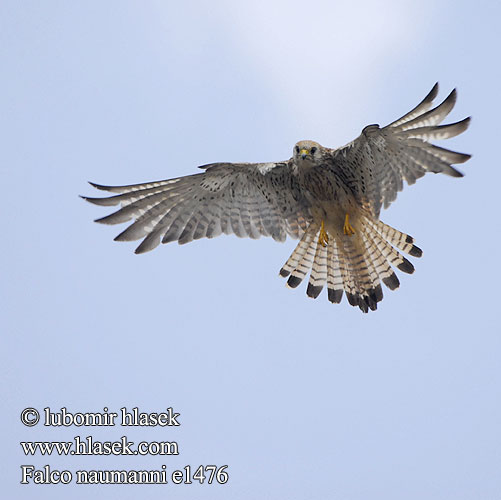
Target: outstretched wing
380, 159
246, 199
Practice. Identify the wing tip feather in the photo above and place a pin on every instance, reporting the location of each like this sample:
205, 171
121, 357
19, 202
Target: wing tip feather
101, 187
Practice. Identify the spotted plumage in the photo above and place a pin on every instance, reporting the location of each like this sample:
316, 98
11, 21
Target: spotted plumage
328, 198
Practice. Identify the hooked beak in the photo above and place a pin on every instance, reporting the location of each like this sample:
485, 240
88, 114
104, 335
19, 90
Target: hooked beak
304, 153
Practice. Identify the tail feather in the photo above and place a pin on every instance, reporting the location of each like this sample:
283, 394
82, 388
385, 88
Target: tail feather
402, 241
306, 260
375, 291
393, 256
354, 265
335, 285
360, 273
349, 282
298, 252
383, 267
318, 275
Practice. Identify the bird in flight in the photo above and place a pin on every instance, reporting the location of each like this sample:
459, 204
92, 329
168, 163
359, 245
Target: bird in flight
329, 199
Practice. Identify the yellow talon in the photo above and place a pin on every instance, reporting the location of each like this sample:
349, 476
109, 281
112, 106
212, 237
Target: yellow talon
323, 237
348, 229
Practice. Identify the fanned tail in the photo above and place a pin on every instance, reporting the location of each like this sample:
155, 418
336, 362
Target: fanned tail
354, 265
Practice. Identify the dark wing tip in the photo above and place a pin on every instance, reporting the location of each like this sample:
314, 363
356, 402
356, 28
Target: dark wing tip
456, 173
462, 124
461, 158
465, 122
122, 236
101, 187
148, 244
102, 202
209, 165
432, 93
103, 220
452, 96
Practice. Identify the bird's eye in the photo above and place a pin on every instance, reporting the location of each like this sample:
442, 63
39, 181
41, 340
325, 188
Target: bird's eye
297, 149
313, 150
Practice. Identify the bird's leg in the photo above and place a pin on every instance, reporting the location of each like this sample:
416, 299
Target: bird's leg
323, 237
347, 228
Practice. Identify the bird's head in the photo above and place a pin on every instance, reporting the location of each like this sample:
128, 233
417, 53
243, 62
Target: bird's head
307, 152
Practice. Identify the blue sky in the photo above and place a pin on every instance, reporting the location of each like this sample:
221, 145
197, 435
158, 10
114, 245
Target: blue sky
302, 399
